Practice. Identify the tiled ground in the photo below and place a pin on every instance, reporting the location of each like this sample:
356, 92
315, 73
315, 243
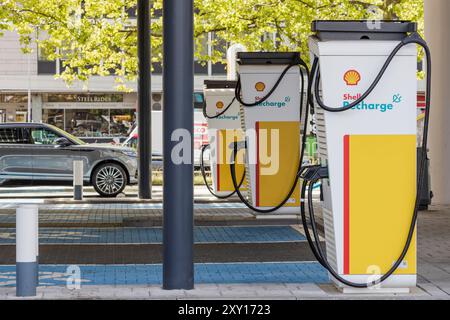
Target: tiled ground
152, 274
119, 214
211, 234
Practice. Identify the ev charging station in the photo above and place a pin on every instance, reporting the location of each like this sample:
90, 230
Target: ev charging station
368, 151
224, 128
272, 127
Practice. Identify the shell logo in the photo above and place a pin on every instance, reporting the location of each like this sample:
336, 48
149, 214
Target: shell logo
352, 77
260, 86
219, 105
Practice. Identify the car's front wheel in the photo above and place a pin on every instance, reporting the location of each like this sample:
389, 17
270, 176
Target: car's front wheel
109, 179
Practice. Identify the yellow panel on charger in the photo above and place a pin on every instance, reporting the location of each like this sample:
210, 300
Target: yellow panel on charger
225, 138
278, 144
381, 194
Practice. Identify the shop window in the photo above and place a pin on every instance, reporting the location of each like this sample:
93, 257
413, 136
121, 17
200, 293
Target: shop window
121, 121
14, 136
54, 117
87, 122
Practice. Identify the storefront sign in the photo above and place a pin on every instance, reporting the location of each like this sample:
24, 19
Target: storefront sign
85, 98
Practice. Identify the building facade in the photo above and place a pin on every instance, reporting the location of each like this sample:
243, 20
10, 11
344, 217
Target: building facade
93, 111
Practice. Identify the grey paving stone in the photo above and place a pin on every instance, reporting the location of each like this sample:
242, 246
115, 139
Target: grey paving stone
157, 292
273, 293
203, 293
432, 289
239, 293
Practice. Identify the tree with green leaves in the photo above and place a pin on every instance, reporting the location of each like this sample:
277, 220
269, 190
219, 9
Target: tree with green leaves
97, 37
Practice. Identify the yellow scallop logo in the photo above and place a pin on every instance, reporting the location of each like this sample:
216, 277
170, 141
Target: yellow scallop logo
352, 77
260, 86
219, 105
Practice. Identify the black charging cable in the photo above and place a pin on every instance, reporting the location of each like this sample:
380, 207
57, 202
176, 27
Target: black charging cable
203, 171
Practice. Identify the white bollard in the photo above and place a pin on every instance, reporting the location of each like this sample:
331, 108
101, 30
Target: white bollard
37, 246
78, 180
26, 245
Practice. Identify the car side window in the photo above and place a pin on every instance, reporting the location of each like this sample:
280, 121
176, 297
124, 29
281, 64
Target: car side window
44, 136
14, 136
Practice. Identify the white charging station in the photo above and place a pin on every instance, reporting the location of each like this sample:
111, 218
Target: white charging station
272, 127
370, 150
224, 128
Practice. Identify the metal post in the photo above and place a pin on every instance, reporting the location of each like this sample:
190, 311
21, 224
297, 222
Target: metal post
26, 238
78, 180
144, 100
178, 120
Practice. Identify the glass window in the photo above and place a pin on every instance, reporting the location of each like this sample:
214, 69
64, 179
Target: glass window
54, 117
219, 46
87, 122
46, 67
45, 64
200, 66
14, 136
121, 121
44, 136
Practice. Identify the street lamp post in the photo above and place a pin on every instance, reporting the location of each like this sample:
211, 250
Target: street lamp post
178, 124
144, 100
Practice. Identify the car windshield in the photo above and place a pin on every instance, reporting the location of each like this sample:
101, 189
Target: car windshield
68, 135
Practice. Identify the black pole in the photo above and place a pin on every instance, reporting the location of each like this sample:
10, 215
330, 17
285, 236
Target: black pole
178, 123
144, 102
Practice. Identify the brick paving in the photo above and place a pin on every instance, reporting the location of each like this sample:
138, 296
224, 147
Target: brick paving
138, 274
433, 249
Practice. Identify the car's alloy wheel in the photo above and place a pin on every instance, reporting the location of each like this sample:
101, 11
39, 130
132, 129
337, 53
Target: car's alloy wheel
109, 180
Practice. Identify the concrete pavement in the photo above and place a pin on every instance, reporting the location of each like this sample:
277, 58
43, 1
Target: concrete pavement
279, 291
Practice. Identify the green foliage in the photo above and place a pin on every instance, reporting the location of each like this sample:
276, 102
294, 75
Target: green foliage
94, 37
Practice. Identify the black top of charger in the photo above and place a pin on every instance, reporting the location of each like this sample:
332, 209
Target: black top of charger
362, 29
220, 84
275, 58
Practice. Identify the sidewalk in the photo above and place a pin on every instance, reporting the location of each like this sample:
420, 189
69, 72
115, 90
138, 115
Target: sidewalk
282, 291
139, 224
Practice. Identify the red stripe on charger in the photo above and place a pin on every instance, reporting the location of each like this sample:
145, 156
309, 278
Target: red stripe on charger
346, 204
